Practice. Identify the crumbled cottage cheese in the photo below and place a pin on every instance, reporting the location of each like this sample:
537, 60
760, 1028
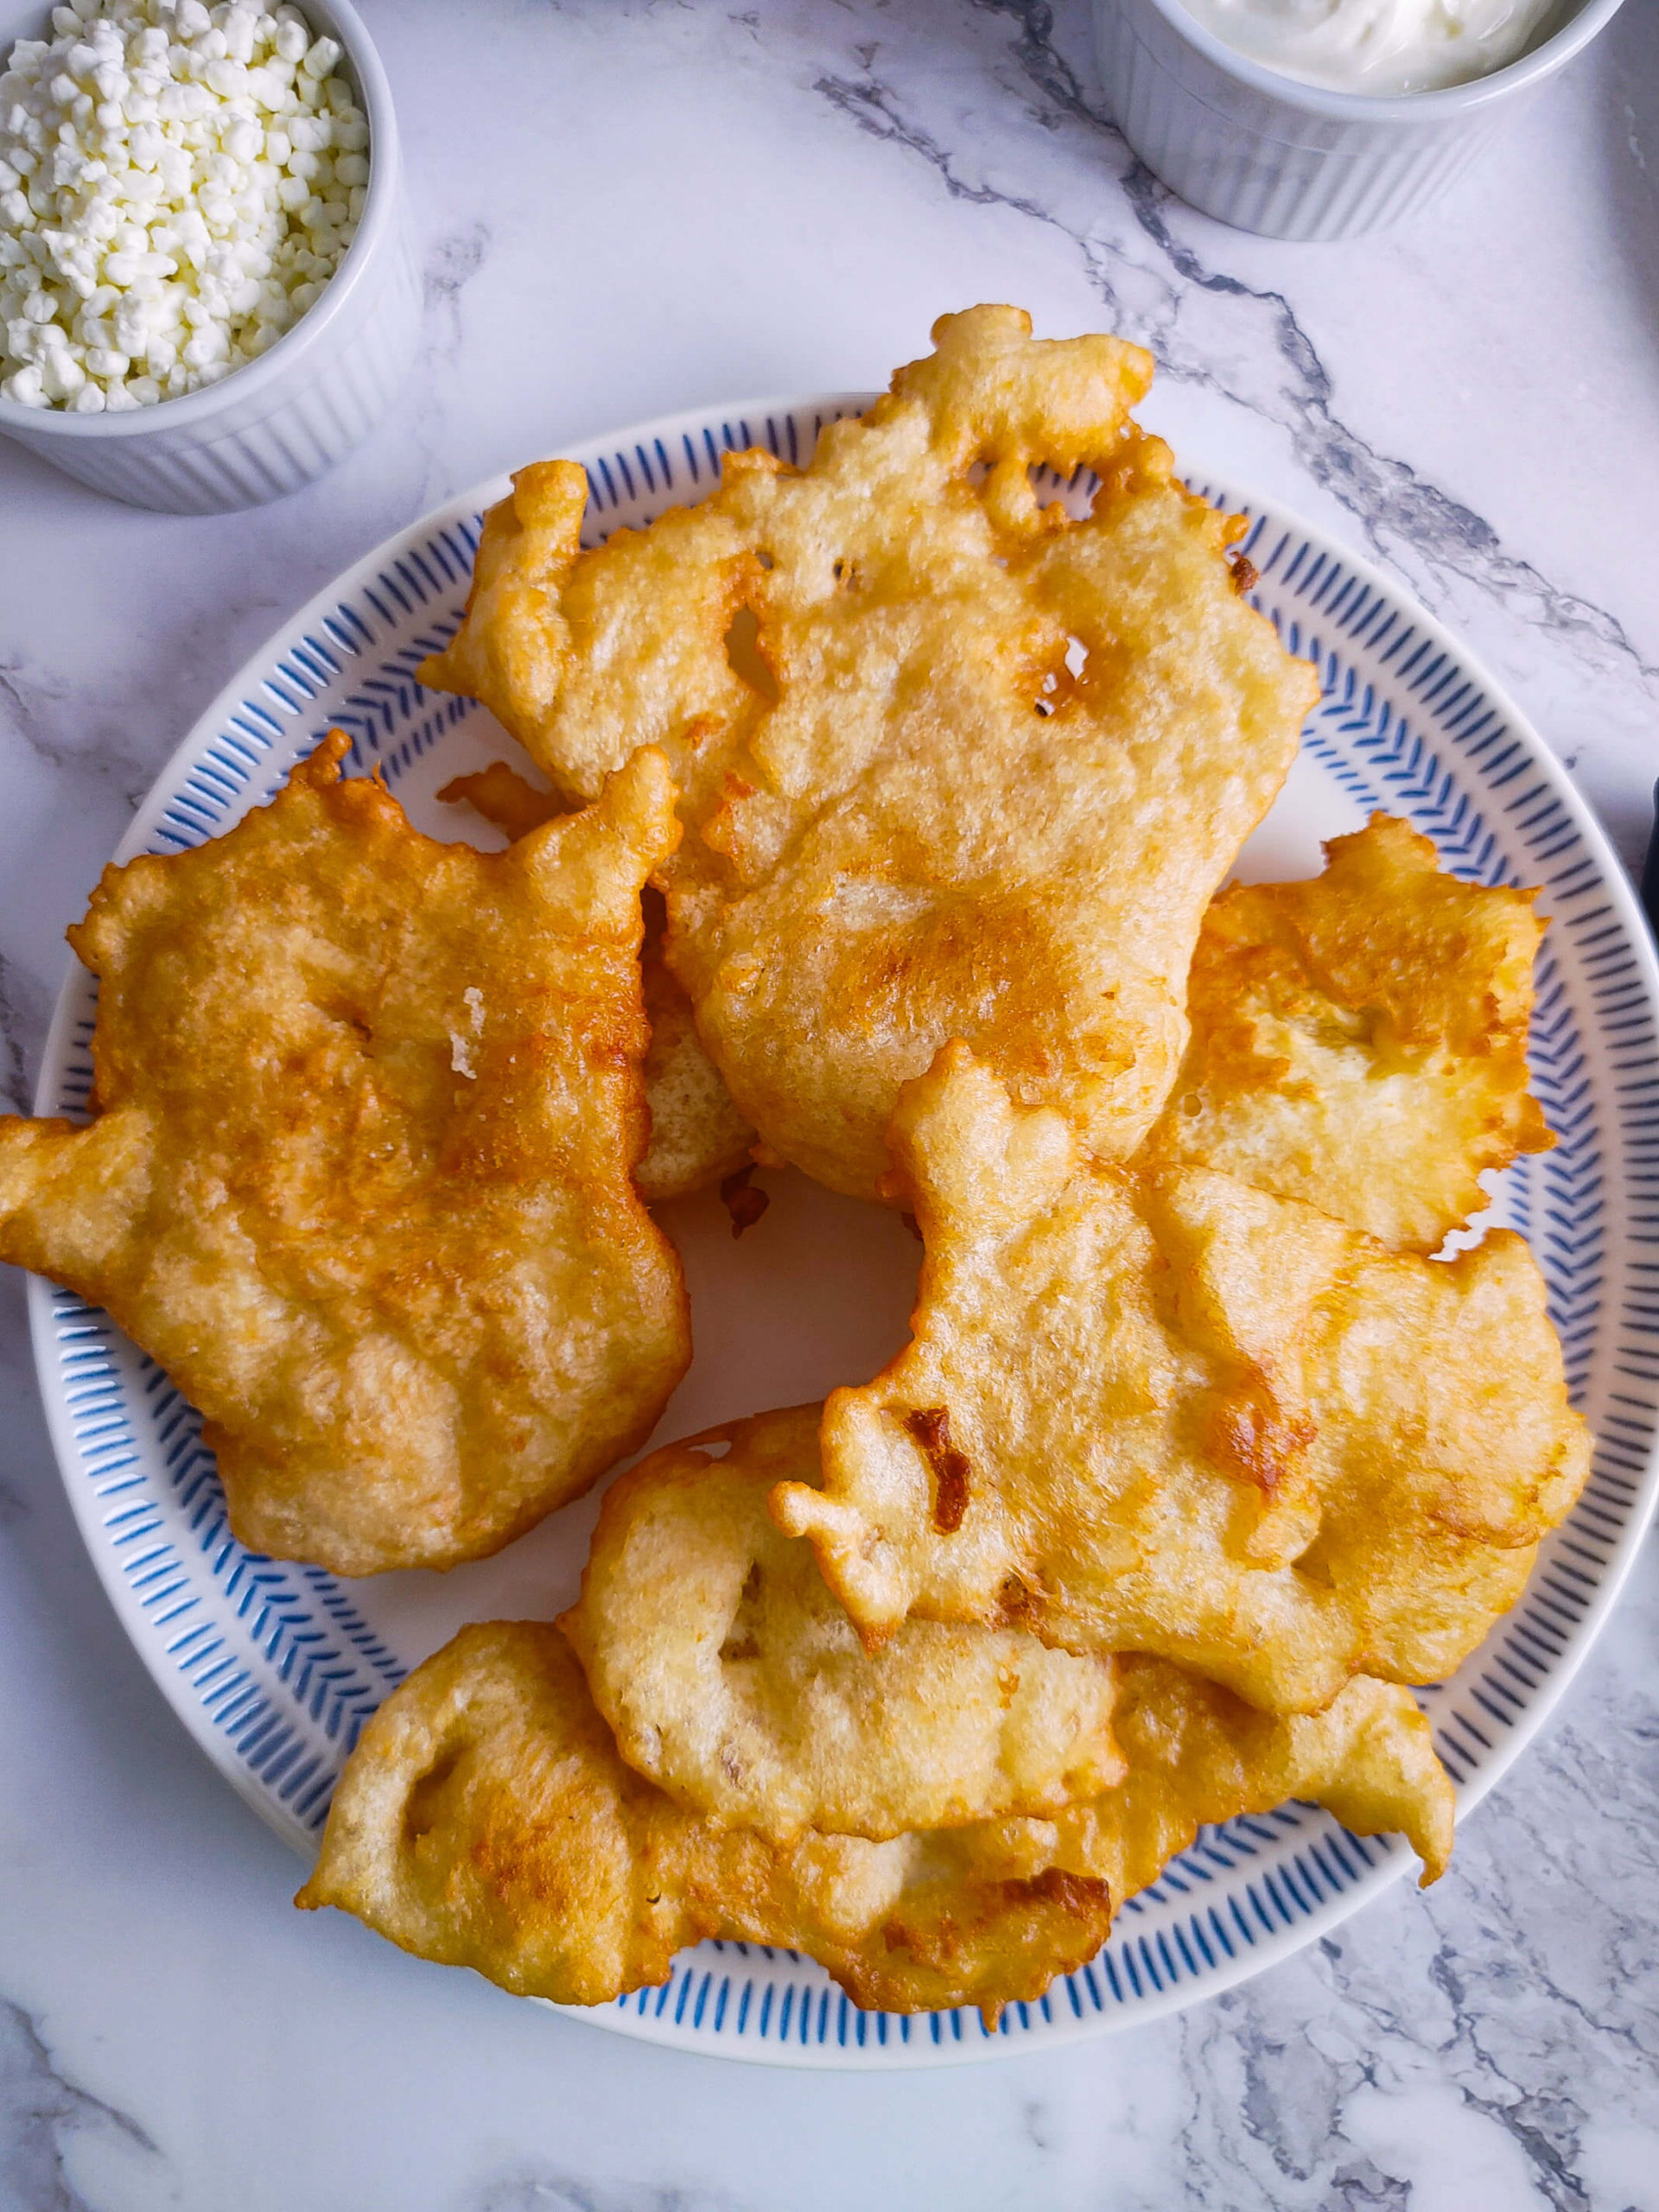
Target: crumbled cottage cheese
177, 185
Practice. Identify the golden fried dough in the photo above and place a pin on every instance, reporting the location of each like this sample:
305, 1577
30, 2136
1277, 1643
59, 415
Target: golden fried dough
732, 1678
1172, 1413
1196, 1754
1360, 1040
485, 1820
697, 1135
950, 763
361, 1179
506, 653
510, 802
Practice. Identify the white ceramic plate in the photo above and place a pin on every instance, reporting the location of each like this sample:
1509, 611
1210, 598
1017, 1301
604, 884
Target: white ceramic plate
275, 1666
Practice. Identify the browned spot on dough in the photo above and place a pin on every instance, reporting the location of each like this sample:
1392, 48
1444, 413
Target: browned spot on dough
1082, 1895
1246, 575
1251, 1436
1017, 1605
745, 1205
931, 1426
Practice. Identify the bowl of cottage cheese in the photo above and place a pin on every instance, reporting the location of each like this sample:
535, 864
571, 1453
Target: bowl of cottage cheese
206, 290
1326, 119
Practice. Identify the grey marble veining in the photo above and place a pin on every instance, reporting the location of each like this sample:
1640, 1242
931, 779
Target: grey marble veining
628, 206
548, 2191
41, 2111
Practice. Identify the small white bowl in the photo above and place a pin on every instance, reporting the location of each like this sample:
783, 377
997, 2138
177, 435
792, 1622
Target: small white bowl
279, 421
1292, 160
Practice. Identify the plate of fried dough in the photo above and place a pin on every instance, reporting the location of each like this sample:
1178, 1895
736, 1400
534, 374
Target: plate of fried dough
1125, 1059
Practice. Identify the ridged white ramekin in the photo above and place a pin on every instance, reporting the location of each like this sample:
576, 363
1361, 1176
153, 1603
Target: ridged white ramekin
1265, 153
282, 420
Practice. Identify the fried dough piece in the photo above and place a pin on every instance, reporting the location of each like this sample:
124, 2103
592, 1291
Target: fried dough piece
732, 1678
361, 1180
697, 1135
507, 801
506, 652
950, 764
1172, 1413
1197, 1755
485, 1820
1360, 1040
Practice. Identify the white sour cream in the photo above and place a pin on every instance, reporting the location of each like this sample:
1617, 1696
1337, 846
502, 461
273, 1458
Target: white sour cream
1377, 46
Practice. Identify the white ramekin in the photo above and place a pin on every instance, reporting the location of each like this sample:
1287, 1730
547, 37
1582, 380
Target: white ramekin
1293, 161
275, 424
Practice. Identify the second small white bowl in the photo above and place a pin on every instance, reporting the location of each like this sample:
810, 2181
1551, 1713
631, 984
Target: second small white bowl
1266, 153
278, 422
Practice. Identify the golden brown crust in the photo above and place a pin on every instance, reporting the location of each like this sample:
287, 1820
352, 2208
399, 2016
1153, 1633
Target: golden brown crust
1196, 1420
732, 1679
361, 1179
910, 817
500, 655
485, 1820
697, 1135
508, 801
1359, 1040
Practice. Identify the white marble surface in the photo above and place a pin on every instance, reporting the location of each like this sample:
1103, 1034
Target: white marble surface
627, 208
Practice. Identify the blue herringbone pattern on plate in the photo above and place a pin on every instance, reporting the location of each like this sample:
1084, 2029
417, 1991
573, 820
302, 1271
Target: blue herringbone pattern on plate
276, 1666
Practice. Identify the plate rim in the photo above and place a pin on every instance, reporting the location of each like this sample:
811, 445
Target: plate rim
1522, 1729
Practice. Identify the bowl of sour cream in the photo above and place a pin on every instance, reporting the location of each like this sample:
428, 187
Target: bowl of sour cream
1326, 119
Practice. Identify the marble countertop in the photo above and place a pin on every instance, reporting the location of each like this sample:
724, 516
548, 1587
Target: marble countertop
629, 206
